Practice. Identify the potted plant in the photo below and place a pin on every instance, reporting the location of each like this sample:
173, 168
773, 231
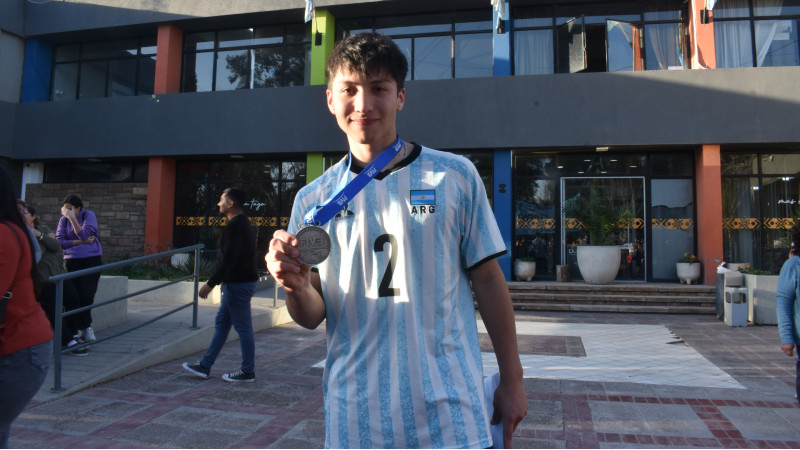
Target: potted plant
599, 258
688, 269
525, 268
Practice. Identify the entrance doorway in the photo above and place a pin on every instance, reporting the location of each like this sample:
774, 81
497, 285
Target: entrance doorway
622, 193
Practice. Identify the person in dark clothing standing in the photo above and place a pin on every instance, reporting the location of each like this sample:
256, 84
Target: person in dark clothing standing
238, 277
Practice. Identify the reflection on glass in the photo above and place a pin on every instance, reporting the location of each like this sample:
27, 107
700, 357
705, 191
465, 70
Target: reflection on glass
236, 38
532, 16
672, 164
780, 163
739, 163
267, 68
473, 55
662, 10
233, 70
199, 41
121, 77
724, 9
429, 23
533, 52
776, 43
65, 82
93, 80
147, 74
672, 224
405, 46
620, 41
268, 35
535, 224
776, 8
740, 219
432, 58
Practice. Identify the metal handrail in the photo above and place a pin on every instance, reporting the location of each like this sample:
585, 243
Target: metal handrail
59, 315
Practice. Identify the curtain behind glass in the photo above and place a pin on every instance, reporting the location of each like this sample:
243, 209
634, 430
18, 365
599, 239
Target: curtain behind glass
533, 52
765, 29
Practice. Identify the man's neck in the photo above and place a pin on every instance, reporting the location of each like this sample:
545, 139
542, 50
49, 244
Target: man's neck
363, 154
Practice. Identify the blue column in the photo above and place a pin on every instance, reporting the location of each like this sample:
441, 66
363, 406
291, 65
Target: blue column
502, 44
503, 205
36, 72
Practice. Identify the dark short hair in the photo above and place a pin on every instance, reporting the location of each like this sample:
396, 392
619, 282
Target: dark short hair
73, 200
368, 54
32, 212
236, 195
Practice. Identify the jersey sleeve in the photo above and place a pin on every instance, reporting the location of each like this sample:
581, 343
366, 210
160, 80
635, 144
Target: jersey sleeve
482, 240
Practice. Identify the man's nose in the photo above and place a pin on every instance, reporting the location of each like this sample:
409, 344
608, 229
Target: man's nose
362, 101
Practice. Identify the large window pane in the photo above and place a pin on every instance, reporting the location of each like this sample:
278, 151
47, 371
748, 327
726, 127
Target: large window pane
776, 43
533, 52
236, 38
432, 58
733, 44
672, 164
405, 46
532, 16
121, 77
779, 197
473, 55
739, 163
781, 163
147, 74
93, 80
740, 219
775, 8
429, 23
110, 49
198, 70
233, 70
199, 41
663, 46
725, 9
535, 223
68, 52
295, 67
662, 10
65, 82
267, 68
268, 35
673, 225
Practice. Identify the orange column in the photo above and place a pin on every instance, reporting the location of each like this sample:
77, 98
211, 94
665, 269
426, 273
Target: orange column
160, 205
161, 170
709, 210
701, 38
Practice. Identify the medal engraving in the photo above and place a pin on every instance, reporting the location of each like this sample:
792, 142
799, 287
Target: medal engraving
314, 245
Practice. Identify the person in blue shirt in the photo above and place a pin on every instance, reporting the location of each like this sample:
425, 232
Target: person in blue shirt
788, 308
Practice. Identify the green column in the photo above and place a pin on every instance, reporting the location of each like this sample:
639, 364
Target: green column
323, 24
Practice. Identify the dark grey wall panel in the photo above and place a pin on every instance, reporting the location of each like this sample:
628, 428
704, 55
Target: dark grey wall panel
11, 16
725, 106
7, 117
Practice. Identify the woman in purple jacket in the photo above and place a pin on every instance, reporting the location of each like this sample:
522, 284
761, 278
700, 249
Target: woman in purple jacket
78, 236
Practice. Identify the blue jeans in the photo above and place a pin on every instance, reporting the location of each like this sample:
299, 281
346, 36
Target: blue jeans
234, 309
21, 375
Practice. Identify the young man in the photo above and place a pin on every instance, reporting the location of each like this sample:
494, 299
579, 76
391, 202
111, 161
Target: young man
237, 273
404, 364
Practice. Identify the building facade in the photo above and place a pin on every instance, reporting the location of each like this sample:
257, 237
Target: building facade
682, 112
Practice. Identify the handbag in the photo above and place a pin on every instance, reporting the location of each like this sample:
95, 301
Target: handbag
8, 295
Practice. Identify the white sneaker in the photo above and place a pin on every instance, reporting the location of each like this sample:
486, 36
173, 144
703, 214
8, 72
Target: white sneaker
78, 335
89, 334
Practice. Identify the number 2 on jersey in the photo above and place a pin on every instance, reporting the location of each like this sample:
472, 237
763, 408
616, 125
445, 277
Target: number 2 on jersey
384, 290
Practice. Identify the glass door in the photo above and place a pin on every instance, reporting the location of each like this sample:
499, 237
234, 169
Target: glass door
623, 194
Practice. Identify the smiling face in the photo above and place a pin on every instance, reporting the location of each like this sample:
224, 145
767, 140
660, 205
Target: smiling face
366, 109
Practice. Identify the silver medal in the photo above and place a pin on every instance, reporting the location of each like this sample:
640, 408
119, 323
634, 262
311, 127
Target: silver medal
314, 246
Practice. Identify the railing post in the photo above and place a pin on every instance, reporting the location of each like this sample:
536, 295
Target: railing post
196, 282
57, 337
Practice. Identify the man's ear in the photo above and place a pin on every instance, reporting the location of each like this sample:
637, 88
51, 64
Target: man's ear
329, 96
401, 99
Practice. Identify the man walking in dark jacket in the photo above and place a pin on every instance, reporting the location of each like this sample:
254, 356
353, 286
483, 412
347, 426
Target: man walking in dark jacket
237, 274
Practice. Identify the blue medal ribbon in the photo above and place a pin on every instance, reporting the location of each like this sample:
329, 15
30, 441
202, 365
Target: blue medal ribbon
322, 214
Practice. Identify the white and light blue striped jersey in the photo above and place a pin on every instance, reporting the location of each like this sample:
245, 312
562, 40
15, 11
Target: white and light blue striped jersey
404, 364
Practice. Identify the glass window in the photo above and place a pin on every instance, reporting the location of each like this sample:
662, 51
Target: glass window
199, 41
473, 55
672, 164
776, 43
268, 35
267, 68
725, 9
739, 163
533, 52
295, 69
673, 224
661, 10
407, 25
149, 46
100, 172
776, 8
587, 164
474, 21
67, 52
236, 38
93, 80
662, 46
110, 49
233, 70
65, 82
121, 77
432, 58
534, 165
780, 163
405, 47
740, 221
147, 70
532, 16
198, 70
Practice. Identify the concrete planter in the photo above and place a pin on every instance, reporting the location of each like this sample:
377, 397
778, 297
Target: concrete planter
761, 291
524, 270
114, 313
599, 264
688, 273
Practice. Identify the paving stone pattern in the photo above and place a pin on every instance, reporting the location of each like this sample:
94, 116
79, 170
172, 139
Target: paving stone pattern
165, 407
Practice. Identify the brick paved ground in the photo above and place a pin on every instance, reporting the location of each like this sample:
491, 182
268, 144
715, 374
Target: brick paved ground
163, 407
